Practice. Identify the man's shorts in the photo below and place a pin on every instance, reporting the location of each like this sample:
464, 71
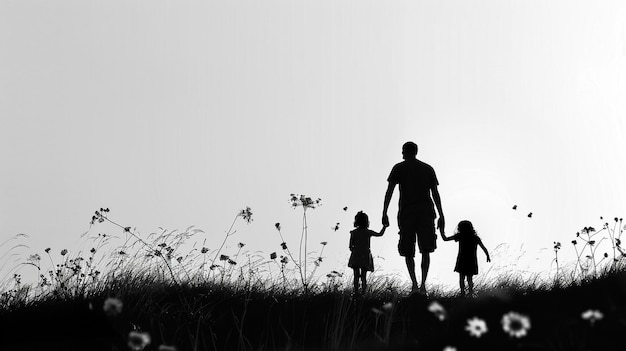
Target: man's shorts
416, 226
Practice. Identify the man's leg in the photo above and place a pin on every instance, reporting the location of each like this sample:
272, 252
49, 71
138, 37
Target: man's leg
410, 265
425, 266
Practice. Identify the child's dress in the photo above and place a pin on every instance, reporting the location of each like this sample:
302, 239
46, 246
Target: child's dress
466, 260
361, 256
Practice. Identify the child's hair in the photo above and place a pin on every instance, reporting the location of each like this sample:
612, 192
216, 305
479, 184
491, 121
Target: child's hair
465, 228
361, 220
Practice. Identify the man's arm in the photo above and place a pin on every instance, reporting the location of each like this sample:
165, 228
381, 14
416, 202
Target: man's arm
441, 222
388, 195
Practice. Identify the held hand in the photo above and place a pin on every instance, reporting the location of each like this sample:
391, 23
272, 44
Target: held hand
441, 224
385, 220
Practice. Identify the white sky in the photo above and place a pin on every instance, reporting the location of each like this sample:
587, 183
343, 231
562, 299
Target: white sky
174, 113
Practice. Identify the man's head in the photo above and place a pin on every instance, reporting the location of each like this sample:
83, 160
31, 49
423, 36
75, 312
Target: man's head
409, 150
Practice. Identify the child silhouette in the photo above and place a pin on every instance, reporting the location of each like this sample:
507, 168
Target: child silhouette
466, 260
361, 259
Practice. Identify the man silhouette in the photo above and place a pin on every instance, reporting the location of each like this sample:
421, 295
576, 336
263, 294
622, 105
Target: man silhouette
416, 214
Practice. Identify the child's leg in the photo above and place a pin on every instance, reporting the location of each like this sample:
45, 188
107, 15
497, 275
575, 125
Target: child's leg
470, 284
363, 280
462, 283
356, 280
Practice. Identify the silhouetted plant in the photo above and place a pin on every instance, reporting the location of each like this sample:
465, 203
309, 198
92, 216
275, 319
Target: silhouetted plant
306, 203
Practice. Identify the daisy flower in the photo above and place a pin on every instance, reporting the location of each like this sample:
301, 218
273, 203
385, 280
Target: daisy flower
437, 309
476, 327
137, 340
388, 307
515, 324
112, 306
592, 316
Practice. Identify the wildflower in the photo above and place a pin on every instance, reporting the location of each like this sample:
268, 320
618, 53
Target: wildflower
137, 340
345, 208
122, 253
273, 256
304, 201
241, 245
231, 262
93, 250
283, 245
592, 316
47, 250
179, 259
437, 309
284, 260
127, 229
157, 253
204, 250
376, 310
112, 306
589, 230
63, 252
167, 348
606, 255
162, 245
574, 242
515, 324
224, 258
557, 245
34, 258
277, 225
246, 214
324, 243
336, 227
476, 327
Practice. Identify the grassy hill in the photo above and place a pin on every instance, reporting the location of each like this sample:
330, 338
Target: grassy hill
219, 317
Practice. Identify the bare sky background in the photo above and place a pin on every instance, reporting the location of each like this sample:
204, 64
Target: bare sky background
173, 113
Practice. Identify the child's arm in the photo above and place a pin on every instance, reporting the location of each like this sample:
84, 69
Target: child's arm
382, 231
446, 238
480, 242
